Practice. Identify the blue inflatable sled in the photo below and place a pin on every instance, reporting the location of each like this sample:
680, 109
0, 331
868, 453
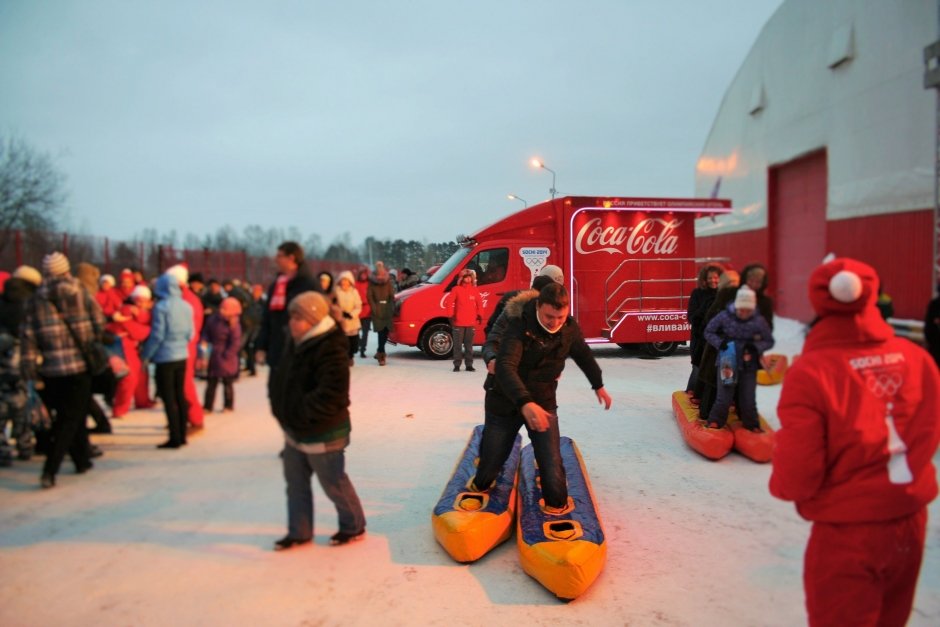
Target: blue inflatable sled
565, 552
466, 523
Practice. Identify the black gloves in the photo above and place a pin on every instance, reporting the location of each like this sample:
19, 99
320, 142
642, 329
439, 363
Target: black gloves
724, 345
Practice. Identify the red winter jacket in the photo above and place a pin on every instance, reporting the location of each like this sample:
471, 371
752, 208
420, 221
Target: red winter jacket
833, 453
465, 305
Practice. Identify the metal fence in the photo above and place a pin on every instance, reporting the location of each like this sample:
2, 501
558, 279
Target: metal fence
19, 247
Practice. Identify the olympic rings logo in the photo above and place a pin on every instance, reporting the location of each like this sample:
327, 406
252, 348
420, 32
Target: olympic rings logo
884, 384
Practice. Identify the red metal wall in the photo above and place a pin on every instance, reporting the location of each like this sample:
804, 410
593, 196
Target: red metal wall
899, 247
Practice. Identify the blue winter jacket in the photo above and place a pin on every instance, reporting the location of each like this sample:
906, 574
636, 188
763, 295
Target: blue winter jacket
753, 333
172, 325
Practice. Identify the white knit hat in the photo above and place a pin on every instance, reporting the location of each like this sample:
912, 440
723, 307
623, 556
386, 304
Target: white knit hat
28, 274
745, 298
555, 273
107, 278
55, 264
180, 273
141, 292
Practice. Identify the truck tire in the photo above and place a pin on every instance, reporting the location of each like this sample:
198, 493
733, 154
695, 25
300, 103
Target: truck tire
437, 341
660, 349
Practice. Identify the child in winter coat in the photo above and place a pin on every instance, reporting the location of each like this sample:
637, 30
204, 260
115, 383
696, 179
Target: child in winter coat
223, 333
741, 336
346, 308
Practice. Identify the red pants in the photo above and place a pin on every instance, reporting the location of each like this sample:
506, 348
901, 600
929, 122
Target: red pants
863, 573
189, 386
124, 391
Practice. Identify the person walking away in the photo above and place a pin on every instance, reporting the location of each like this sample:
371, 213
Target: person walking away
531, 358
381, 297
365, 315
17, 292
62, 320
293, 278
309, 394
190, 287
167, 346
222, 332
465, 306
741, 336
251, 325
346, 309
859, 426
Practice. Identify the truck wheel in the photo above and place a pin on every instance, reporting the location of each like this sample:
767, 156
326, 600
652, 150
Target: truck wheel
661, 349
437, 341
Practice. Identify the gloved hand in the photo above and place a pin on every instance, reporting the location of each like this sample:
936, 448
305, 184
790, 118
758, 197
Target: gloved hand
479, 319
724, 345
347, 315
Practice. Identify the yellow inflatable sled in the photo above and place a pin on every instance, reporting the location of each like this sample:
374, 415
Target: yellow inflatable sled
466, 523
565, 552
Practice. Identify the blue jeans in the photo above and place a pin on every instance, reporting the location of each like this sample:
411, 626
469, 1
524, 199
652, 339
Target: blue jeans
499, 435
331, 472
463, 345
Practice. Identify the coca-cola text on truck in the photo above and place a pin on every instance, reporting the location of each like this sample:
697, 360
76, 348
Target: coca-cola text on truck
629, 267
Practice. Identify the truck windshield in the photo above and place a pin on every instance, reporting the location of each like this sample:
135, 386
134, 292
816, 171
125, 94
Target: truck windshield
444, 272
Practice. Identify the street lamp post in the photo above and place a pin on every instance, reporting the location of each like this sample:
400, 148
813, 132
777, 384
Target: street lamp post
537, 163
514, 197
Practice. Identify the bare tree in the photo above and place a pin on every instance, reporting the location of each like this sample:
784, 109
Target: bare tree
31, 188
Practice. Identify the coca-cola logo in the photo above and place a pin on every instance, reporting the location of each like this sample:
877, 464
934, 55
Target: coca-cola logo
651, 236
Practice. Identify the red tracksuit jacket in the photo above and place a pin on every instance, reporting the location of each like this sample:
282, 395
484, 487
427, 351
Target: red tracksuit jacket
860, 422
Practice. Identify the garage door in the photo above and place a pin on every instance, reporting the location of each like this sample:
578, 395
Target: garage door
797, 202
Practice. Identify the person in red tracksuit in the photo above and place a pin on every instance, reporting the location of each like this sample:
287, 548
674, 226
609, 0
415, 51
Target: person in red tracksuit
127, 325
860, 422
466, 311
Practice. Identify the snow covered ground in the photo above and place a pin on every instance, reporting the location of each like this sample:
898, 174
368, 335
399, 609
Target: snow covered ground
156, 537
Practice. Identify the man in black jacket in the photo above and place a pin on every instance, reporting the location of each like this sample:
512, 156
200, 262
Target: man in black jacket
292, 279
531, 359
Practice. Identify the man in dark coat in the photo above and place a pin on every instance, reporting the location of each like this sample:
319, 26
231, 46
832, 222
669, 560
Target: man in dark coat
292, 279
540, 336
309, 395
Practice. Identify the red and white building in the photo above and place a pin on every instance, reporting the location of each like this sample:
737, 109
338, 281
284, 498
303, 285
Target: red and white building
825, 142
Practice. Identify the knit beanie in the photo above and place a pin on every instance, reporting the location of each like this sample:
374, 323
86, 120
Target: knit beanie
554, 273
230, 307
179, 272
311, 306
28, 274
745, 298
843, 286
141, 292
55, 264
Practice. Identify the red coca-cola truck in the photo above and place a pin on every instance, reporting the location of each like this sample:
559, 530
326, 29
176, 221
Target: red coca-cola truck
629, 266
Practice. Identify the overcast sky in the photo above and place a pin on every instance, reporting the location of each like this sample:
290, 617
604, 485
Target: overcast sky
396, 119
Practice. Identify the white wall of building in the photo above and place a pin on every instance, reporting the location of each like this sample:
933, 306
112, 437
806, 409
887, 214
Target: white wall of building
871, 112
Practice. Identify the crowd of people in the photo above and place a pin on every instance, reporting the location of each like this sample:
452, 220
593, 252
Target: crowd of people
859, 416
154, 337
